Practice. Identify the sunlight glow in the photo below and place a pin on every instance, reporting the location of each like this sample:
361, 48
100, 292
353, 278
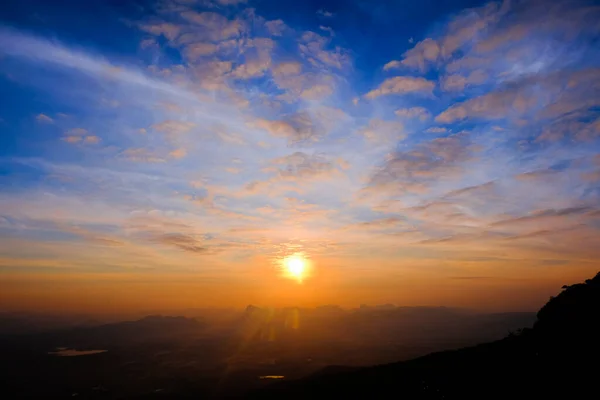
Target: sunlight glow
295, 267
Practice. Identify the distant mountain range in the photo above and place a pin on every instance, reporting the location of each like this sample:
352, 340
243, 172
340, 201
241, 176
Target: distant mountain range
223, 354
319, 353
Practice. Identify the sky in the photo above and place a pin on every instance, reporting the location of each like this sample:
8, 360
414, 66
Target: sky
175, 153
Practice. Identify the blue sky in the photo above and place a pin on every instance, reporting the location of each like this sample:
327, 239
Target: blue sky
384, 141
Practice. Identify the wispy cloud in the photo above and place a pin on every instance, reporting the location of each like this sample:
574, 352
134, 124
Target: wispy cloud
402, 85
43, 118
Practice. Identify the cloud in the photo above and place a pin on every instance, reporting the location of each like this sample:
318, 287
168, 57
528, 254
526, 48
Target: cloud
445, 215
61, 225
293, 172
482, 190
233, 170
251, 69
317, 92
183, 242
213, 74
381, 131
92, 139
282, 129
36, 50
459, 32
414, 112
541, 96
593, 176
141, 154
544, 217
44, 119
413, 171
315, 48
495, 105
276, 27
324, 13
536, 175
418, 57
380, 224
170, 232
71, 139
307, 86
178, 153
391, 65
436, 129
469, 24
294, 212
402, 85
174, 128
216, 27
197, 50
454, 83
80, 135
77, 132
287, 68
256, 63
147, 43
458, 82
229, 137
170, 31
327, 29
302, 165
303, 127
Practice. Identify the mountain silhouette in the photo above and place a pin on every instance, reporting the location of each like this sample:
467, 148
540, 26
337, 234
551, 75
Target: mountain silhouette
571, 318
556, 359
152, 328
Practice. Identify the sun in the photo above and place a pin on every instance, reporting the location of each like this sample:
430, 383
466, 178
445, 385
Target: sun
295, 267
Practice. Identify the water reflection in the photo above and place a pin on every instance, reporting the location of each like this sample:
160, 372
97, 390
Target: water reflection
65, 352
